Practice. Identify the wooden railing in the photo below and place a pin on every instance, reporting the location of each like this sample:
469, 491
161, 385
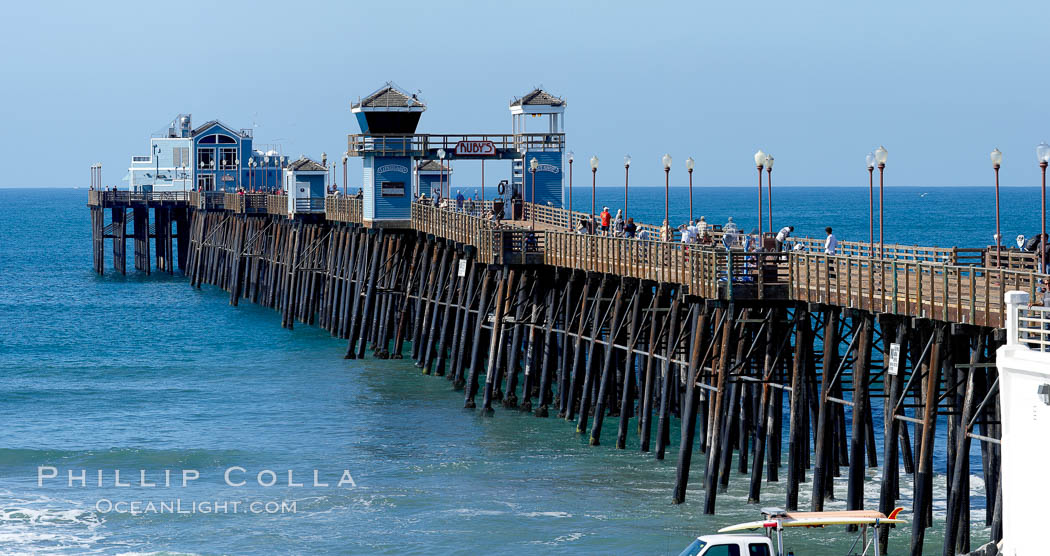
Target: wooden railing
103, 198
708, 272
207, 200
950, 284
406, 145
245, 203
1011, 259
277, 204
459, 227
954, 293
341, 208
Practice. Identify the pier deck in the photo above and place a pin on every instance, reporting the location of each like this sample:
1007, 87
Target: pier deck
598, 327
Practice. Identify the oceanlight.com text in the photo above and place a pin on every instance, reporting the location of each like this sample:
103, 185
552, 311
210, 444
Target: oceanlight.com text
180, 506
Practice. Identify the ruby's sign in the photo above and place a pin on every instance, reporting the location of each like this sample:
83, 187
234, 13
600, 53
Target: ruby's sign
475, 148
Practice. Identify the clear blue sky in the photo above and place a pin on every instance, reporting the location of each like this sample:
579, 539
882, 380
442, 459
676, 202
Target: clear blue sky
818, 85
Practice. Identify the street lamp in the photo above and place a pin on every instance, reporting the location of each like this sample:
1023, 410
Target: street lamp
533, 164
156, 158
571, 156
997, 160
441, 173
594, 175
769, 186
760, 163
689, 164
667, 188
1043, 153
880, 158
346, 186
870, 161
266, 175
626, 175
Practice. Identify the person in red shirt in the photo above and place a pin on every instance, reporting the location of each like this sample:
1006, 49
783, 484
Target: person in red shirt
606, 217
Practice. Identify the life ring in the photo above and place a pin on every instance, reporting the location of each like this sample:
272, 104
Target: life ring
502, 187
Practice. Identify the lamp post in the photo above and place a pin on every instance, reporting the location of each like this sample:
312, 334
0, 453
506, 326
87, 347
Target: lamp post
760, 163
769, 187
1043, 153
667, 188
880, 158
533, 165
237, 164
266, 175
689, 164
870, 161
626, 175
281, 163
571, 156
997, 160
346, 185
156, 158
441, 173
594, 175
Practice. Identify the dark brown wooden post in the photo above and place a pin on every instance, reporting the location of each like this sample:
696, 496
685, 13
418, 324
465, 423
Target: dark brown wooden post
715, 444
692, 398
863, 323
822, 483
924, 474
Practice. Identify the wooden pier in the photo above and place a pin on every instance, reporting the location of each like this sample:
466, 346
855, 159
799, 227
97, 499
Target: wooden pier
625, 335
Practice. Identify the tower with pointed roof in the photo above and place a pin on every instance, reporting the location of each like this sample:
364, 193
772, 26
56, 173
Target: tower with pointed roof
390, 115
537, 120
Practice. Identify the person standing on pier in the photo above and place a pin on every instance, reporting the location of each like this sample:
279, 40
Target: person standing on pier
617, 223
782, 236
701, 229
730, 226
630, 228
665, 232
831, 244
459, 201
606, 217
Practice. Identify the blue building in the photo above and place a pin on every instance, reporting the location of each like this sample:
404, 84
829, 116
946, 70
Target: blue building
307, 182
212, 157
393, 152
432, 177
389, 161
542, 140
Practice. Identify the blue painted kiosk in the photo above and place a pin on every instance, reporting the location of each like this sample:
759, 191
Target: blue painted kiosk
432, 177
391, 149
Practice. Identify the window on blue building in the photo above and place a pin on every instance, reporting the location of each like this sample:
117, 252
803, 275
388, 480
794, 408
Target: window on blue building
228, 158
221, 139
206, 158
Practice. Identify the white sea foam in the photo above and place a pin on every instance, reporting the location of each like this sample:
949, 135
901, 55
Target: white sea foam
546, 514
35, 526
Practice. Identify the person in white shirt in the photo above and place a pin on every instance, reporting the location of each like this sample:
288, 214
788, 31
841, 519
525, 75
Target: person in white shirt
701, 228
831, 244
782, 236
730, 226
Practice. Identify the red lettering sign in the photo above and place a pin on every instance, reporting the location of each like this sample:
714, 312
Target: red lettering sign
475, 148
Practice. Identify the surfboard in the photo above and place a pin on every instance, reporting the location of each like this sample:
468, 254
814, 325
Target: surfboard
820, 519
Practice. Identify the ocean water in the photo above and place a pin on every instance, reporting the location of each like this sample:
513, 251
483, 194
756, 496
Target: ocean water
146, 375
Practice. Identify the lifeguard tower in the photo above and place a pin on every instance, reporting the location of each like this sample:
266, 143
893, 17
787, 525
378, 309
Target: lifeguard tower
391, 149
543, 113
